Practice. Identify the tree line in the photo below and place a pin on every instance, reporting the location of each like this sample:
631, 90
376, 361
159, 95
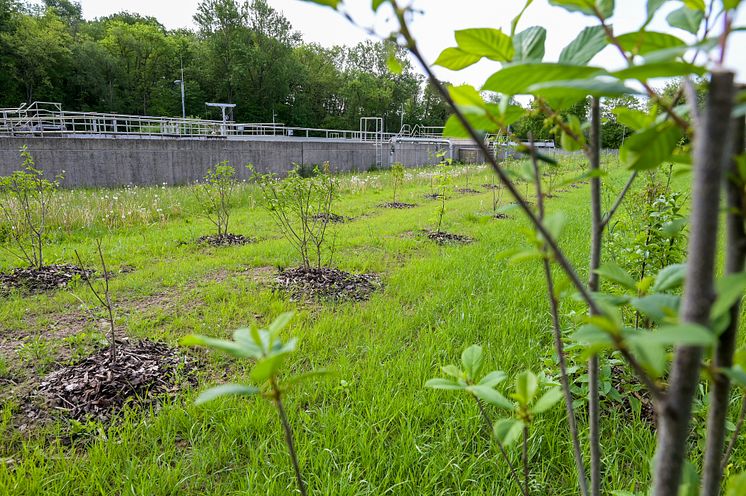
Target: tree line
242, 52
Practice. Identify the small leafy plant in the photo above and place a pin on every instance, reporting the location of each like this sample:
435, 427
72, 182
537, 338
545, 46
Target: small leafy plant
269, 353
443, 186
24, 203
215, 195
525, 406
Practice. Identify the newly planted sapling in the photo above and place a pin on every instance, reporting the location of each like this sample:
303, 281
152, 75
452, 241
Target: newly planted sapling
215, 197
24, 202
104, 298
269, 353
397, 174
443, 186
301, 207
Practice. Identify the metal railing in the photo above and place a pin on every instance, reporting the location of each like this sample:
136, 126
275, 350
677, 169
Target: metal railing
48, 119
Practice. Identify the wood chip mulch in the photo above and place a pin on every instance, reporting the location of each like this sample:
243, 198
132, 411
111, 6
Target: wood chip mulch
333, 218
397, 205
224, 240
34, 280
444, 238
467, 191
327, 284
96, 389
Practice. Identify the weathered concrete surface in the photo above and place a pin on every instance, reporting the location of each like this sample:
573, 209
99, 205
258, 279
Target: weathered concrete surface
93, 162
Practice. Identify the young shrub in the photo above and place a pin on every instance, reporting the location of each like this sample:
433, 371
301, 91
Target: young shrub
24, 202
269, 353
301, 207
215, 197
443, 186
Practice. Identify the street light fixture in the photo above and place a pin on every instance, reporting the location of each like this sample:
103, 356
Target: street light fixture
183, 106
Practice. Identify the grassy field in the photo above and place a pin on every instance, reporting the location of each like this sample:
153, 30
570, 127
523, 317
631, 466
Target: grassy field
371, 427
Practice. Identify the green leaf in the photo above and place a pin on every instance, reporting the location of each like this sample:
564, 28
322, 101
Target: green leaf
525, 386
267, 367
669, 278
440, 383
633, 119
592, 334
480, 122
582, 49
729, 289
452, 370
375, 4
529, 44
589, 7
225, 390
736, 374
491, 396
517, 19
650, 147
467, 98
243, 337
471, 359
736, 485
577, 89
658, 70
643, 42
653, 6
507, 431
677, 335
327, 3
657, 306
695, 4
492, 379
575, 141
516, 79
614, 272
685, 18
652, 357
229, 347
279, 323
486, 42
456, 59
393, 64
547, 400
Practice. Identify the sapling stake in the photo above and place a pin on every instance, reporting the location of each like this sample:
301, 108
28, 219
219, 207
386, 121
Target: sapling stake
105, 300
735, 255
709, 158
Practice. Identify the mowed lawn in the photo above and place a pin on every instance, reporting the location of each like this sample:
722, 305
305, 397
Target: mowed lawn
370, 427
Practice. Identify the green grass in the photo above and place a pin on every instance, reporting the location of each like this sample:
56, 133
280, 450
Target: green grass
371, 428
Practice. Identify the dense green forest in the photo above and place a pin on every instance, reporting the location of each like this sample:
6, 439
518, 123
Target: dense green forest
242, 52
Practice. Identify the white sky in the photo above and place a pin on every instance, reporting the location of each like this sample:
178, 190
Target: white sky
434, 29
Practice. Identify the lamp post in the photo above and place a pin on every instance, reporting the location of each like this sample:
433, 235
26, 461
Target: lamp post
183, 107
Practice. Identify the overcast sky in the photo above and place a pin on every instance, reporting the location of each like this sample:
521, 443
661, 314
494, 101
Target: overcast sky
434, 29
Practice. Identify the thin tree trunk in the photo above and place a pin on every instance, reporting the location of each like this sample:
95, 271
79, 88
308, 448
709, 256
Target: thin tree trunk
593, 285
709, 159
723, 358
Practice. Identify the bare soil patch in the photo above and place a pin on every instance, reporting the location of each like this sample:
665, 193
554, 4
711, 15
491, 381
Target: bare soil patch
326, 284
32, 280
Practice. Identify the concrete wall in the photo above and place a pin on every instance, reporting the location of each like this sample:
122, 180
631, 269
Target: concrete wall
118, 161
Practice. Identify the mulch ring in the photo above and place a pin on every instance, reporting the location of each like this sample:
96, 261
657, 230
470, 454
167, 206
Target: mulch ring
330, 217
490, 186
35, 280
326, 284
467, 191
94, 389
397, 205
227, 239
500, 216
433, 196
446, 238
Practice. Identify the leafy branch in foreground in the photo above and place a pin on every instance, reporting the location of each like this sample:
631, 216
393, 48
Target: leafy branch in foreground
269, 353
